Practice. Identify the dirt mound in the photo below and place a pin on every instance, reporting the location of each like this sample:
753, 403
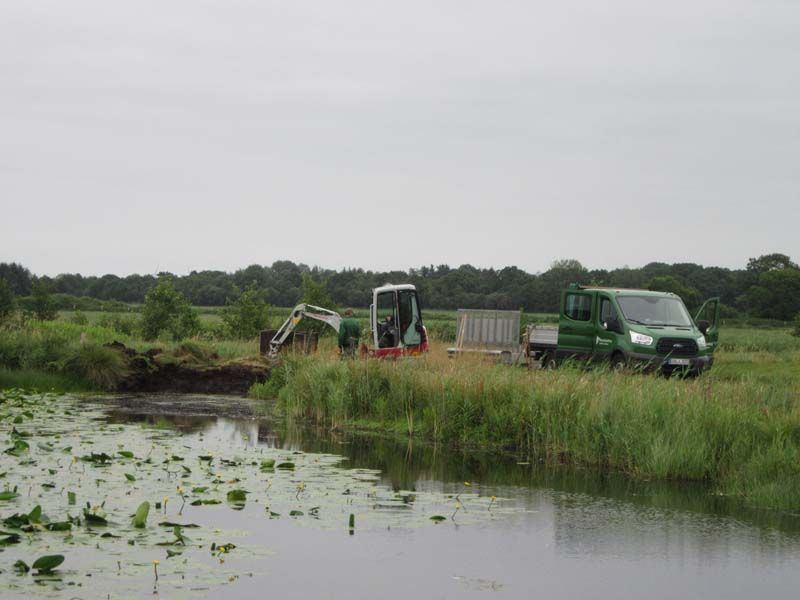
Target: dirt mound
157, 371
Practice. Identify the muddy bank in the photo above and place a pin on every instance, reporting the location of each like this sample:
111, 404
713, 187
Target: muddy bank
187, 373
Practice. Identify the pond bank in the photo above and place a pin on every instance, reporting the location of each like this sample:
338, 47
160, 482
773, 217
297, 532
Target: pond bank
741, 437
188, 370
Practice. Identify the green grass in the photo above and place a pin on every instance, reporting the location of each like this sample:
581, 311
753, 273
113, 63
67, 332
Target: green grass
70, 356
40, 381
740, 432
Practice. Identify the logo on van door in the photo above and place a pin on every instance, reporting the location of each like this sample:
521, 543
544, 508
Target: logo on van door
602, 342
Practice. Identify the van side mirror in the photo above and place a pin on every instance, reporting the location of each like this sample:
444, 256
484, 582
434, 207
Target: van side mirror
703, 326
612, 324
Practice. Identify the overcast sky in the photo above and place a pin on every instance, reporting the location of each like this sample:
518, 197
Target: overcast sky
180, 135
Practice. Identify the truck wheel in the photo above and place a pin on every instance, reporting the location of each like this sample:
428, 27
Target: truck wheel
549, 362
618, 362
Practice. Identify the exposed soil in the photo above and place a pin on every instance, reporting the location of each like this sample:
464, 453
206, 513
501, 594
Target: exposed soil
152, 371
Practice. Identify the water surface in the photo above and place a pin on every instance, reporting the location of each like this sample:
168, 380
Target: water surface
553, 533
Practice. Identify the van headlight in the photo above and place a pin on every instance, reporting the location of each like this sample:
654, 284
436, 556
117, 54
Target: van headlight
641, 339
701, 342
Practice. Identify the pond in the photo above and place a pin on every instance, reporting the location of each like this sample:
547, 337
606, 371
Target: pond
243, 504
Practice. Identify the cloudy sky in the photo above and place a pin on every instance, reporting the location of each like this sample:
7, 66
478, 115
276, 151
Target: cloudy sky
148, 136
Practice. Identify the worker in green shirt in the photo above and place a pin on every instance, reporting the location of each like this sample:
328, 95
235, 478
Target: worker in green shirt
349, 333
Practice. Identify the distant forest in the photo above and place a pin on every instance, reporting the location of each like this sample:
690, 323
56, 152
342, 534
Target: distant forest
768, 286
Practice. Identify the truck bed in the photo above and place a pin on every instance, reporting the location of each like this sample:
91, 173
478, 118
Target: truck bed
540, 339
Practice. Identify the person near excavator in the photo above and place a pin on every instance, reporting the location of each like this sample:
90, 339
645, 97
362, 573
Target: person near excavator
349, 334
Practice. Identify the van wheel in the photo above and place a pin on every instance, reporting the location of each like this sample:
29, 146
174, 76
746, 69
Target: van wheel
549, 362
618, 362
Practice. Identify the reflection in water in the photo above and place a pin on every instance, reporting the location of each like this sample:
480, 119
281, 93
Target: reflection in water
583, 512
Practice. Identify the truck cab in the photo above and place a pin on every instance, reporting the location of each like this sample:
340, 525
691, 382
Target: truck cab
395, 318
639, 328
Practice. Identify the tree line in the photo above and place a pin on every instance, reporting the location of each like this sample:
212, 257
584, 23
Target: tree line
768, 286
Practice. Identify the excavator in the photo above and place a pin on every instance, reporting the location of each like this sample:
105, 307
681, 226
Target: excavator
395, 319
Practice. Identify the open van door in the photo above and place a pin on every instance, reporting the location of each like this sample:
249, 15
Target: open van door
707, 320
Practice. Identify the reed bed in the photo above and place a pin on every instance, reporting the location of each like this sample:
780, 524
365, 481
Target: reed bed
742, 435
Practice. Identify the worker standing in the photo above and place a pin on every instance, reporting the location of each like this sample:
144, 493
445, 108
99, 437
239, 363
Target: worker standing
349, 334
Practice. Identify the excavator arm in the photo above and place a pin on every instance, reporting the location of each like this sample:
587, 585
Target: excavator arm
300, 312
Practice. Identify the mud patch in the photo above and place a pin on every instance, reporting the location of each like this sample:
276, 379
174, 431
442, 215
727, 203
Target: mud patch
152, 371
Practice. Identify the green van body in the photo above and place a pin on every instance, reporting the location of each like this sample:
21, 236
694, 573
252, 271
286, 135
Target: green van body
638, 328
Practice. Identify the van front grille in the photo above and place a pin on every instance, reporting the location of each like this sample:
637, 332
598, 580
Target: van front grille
676, 347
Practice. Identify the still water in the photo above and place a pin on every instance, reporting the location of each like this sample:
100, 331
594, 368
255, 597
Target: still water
552, 533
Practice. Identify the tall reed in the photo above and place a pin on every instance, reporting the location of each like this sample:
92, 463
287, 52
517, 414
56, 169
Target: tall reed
742, 435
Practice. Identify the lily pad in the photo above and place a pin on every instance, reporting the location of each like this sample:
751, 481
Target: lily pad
45, 564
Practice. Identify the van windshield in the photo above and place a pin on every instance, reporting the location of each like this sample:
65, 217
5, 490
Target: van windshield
654, 310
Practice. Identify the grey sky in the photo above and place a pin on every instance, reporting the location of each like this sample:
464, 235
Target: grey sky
147, 136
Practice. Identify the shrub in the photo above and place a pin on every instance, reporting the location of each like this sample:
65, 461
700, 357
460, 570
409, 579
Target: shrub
167, 310
6, 300
41, 302
246, 316
79, 318
796, 330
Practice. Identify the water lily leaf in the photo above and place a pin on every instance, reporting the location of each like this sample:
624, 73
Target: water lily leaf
237, 496
296, 513
94, 518
21, 567
97, 458
140, 518
130, 477
45, 564
59, 526
125, 453
437, 518
199, 489
183, 525
7, 538
8, 495
19, 447
35, 516
286, 465
16, 520
71, 497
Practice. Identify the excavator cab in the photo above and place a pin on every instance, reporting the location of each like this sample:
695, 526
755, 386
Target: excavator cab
396, 321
